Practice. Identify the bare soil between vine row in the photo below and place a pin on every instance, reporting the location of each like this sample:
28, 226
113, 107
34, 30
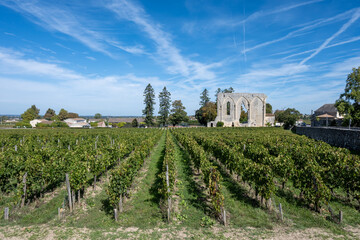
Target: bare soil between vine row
54, 232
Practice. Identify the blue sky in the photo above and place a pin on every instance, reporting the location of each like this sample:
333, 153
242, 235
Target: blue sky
98, 56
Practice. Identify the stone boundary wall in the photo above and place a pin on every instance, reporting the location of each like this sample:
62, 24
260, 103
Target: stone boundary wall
345, 138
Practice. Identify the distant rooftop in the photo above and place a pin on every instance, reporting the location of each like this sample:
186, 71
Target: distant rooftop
327, 108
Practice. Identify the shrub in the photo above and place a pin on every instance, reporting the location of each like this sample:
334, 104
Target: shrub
219, 124
23, 124
42, 125
93, 124
59, 124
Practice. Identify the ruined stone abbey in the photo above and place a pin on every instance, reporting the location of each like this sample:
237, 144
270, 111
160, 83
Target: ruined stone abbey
230, 105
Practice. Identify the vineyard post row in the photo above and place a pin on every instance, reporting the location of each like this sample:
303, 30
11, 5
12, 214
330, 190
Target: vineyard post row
168, 174
210, 174
314, 167
121, 177
260, 169
39, 163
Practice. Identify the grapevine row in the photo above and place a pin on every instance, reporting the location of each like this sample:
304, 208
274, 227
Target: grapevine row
123, 175
45, 158
211, 175
168, 173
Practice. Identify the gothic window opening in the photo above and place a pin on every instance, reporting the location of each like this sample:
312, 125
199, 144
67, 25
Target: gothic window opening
228, 108
244, 114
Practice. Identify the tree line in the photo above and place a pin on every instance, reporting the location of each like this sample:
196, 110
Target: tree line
173, 113
33, 113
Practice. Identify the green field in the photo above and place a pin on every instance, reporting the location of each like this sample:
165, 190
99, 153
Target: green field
247, 172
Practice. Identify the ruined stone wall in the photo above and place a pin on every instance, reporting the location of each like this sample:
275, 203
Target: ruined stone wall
255, 104
337, 137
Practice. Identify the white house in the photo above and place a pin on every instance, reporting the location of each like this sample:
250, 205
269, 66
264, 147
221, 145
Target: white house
101, 124
74, 120
79, 125
36, 121
270, 118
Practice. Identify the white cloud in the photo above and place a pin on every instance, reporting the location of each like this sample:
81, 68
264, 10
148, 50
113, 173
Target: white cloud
342, 69
114, 94
61, 19
343, 28
353, 39
263, 73
14, 63
10, 34
236, 22
280, 9
165, 48
295, 33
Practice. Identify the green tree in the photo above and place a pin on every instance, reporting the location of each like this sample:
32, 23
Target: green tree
268, 108
72, 115
226, 90
204, 97
31, 113
93, 124
206, 113
63, 114
164, 109
49, 114
348, 103
55, 118
216, 94
149, 102
243, 116
97, 116
178, 113
3, 118
135, 123
288, 117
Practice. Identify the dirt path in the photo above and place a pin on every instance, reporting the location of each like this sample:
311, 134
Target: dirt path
170, 232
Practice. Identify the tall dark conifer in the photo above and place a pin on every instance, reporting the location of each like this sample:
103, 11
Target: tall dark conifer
149, 102
164, 109
204, 97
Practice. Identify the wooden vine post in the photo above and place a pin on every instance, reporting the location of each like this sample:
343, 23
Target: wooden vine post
116, 214
59, 213
121, 204
168, 190
68, 190
281, 212
73, 198
268, 203
94, 185
24, 190
6, 213
340, 216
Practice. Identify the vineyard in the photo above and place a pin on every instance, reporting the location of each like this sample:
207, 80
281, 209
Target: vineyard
246, 181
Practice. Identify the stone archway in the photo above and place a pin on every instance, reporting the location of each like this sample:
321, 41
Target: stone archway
229, 106
242, 105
